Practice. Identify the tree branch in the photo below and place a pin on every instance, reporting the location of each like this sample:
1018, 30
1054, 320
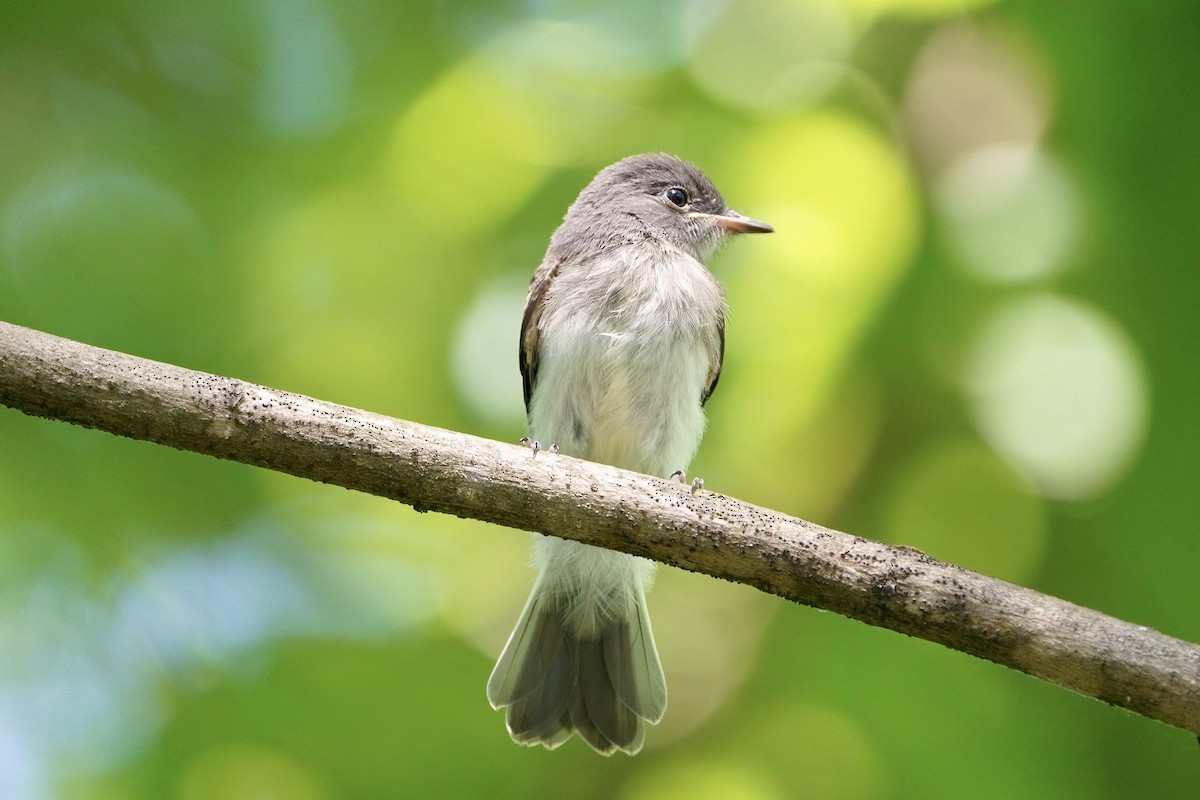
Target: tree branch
436, 470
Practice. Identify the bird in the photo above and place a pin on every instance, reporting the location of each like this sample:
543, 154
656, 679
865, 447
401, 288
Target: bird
621, 345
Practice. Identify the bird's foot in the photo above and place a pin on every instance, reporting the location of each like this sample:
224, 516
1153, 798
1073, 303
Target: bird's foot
697, 483
536, 446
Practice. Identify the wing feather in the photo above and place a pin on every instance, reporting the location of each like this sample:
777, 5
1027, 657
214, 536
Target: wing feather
714, 366
531, 334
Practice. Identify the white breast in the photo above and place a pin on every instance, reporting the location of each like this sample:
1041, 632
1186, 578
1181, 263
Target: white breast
627, 344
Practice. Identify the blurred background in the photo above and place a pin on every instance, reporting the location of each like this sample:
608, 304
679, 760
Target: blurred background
974, 333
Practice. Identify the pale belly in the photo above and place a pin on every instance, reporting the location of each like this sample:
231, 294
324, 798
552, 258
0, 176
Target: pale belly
629, 401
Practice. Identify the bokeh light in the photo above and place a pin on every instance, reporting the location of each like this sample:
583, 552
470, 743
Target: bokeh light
485, 352
799, 56
974, 85
1010, 213
1059, 390
306, 76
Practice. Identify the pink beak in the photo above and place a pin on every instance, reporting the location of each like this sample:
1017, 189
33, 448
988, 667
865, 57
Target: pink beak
734, 222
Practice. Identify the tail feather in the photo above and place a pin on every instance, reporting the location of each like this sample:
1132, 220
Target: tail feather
604, 685
537, 639
549, 732
615, 721
580, 721
631, 658
539, 716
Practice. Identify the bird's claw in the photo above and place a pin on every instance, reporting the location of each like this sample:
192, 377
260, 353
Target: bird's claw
697, 483
536, 446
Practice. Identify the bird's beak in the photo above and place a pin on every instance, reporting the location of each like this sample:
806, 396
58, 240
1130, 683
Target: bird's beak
733, 222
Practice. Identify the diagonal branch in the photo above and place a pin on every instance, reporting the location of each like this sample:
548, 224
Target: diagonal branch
453, 473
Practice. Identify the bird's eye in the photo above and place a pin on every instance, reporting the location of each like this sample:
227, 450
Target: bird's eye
677, 196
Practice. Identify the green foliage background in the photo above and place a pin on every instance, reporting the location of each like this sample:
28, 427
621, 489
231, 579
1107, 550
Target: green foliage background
974, 333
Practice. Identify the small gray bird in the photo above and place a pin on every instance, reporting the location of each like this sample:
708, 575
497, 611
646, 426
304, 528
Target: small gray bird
621, 345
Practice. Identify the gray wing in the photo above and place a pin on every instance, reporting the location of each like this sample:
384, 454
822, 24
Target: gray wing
714, 367
531, 334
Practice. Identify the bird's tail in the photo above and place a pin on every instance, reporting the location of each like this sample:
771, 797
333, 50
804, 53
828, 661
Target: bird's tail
582, 656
